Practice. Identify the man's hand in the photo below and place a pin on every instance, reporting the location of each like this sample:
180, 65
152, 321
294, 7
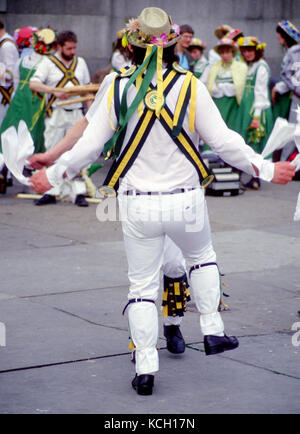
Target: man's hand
61, 95
284, 172
38, 161
40, 182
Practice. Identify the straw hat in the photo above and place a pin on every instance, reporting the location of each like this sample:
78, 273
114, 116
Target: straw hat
153, 26
290, 29
221, 31
197, 43
234, 34
251, 41
226, 42
43, 41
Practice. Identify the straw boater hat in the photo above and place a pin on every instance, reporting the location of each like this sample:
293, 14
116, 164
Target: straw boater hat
251, 41
43, 41
197, 43
226, 42
221, 31
290, 29
234, 34
154, 31
153, 26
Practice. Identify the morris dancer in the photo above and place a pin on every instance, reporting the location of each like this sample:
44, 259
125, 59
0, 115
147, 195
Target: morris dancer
157, 112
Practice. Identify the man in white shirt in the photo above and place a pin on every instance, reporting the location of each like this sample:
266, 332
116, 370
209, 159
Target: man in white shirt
9, 79
161, 176
9, 73
62, 70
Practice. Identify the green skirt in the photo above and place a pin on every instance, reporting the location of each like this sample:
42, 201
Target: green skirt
244, 119
228, 107
282, 106
27, 106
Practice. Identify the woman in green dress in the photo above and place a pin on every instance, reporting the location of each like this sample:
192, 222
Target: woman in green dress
255, 118
196, 49
27, 105
225, 81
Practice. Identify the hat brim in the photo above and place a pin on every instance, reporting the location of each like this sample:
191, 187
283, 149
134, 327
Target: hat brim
295, 38
217, 47
196, 46
143, 45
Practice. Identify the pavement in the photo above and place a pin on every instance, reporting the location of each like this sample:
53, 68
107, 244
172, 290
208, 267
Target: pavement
64, 341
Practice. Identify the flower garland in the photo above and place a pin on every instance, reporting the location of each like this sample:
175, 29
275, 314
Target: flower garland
133, 33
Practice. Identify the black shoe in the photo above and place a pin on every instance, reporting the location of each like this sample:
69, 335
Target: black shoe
175, 341
219, 344
80, 200
3, 180
45, 200
143, 384
253, 184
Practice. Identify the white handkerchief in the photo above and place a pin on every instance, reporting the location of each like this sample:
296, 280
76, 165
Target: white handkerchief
297, 212
283, 132
17, 147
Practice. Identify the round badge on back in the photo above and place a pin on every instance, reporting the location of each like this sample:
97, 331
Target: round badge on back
150, 99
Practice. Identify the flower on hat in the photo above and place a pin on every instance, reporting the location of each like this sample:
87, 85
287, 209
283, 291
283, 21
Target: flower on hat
136, 34
43, 41
251, 41
132, 25
162, 40
290, 29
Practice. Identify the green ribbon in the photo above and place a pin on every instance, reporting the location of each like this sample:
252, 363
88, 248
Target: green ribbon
115, 143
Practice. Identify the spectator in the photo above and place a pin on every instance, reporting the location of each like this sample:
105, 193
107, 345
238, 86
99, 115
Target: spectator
289, 37
185, 59
196, 49
61, 70
255, 118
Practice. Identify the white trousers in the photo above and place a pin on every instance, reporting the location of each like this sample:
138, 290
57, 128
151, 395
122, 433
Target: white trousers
146, 220
56, 128
174, 267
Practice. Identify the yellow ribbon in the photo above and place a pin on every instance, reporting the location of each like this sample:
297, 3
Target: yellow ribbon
109, 101
181, 97
193, 104
159, 77
139, 81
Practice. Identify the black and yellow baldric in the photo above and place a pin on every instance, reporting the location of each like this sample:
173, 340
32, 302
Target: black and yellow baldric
175, 296
172, 123
7, 40
69, 75
7, 92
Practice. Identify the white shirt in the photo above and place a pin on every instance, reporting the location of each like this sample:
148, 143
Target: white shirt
118, 61
32, 60
160, 165
9, 56
223, 86
261, 87
48, 73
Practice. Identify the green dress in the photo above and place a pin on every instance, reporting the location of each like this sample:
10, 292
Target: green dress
227, 105
282, 106
246, 111
27, 105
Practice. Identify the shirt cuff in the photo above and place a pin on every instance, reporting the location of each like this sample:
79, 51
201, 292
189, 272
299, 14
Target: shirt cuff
55, 174
265, 169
